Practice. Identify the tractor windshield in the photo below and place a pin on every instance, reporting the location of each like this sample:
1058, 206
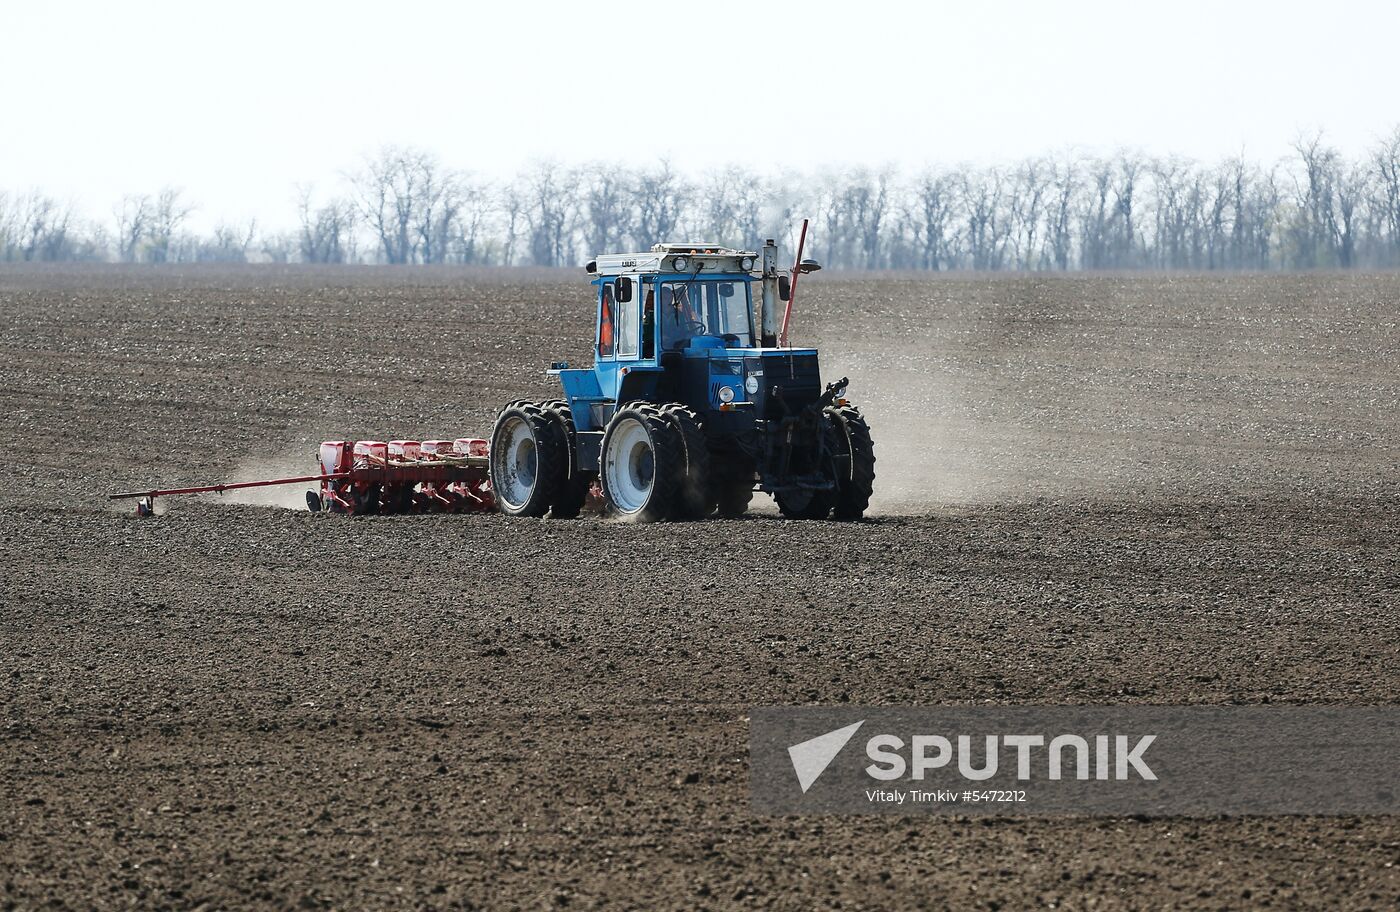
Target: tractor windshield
705, 308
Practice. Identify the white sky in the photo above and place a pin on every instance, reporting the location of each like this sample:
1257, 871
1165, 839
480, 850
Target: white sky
238, 102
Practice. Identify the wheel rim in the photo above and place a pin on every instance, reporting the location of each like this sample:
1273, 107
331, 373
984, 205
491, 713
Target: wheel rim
519, 465
630, 466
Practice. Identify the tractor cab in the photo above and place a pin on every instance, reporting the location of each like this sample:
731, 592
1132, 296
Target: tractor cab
657, 311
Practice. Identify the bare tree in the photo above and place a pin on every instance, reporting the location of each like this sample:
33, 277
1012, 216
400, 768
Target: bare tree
732, 199
934, 208
866, 200
607, 216
1387, 162
325, 229
1313, 224
660, 198
550, 213
1350, 191
1125, 237
477, 205
829, 216
8, 227
133, 221
439, 203
513, 211
387, 191
1028, 188
36, 228
167, 215
986, 228
1064, 179
1096, 218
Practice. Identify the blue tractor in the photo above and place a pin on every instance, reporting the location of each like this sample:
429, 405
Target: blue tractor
688, 407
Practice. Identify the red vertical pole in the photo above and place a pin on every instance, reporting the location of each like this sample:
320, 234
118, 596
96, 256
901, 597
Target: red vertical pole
792, 289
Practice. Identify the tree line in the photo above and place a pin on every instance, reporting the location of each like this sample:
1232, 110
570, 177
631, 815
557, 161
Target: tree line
1314, 209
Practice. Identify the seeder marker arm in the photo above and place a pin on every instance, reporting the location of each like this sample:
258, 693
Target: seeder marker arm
230, 486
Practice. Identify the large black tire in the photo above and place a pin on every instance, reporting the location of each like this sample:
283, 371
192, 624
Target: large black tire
694, 499
856, 474
528, 460
642, 464
573, 491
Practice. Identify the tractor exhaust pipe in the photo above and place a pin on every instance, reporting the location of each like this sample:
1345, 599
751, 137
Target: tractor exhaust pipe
768, 316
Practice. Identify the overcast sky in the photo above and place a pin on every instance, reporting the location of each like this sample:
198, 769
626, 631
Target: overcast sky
238, 102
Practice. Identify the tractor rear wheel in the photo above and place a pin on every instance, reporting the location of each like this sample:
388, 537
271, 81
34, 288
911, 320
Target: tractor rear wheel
642, 464
693, 501
855, 476
528, 460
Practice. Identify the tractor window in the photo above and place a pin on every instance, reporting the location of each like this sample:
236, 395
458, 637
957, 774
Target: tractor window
649, 326
627, 329
732, 300
704, 308
607, 324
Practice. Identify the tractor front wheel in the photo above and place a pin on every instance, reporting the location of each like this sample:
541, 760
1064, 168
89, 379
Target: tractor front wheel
642, 464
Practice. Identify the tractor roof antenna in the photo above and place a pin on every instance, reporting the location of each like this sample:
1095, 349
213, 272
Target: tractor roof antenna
799, 266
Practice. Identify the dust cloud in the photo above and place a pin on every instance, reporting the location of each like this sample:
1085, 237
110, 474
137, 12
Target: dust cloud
1015, 390
287, 463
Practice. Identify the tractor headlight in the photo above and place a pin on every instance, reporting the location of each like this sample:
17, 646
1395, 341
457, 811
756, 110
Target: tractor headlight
726, 394
751, 385
746, 264
681, 263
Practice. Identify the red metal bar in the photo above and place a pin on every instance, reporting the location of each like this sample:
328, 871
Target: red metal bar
792, 290
208, 489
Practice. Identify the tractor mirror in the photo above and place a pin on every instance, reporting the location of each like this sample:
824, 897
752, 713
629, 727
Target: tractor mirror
784, 288
726, 289
622, 289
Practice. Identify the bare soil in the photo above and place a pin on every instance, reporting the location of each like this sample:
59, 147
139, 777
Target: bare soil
1136, 489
